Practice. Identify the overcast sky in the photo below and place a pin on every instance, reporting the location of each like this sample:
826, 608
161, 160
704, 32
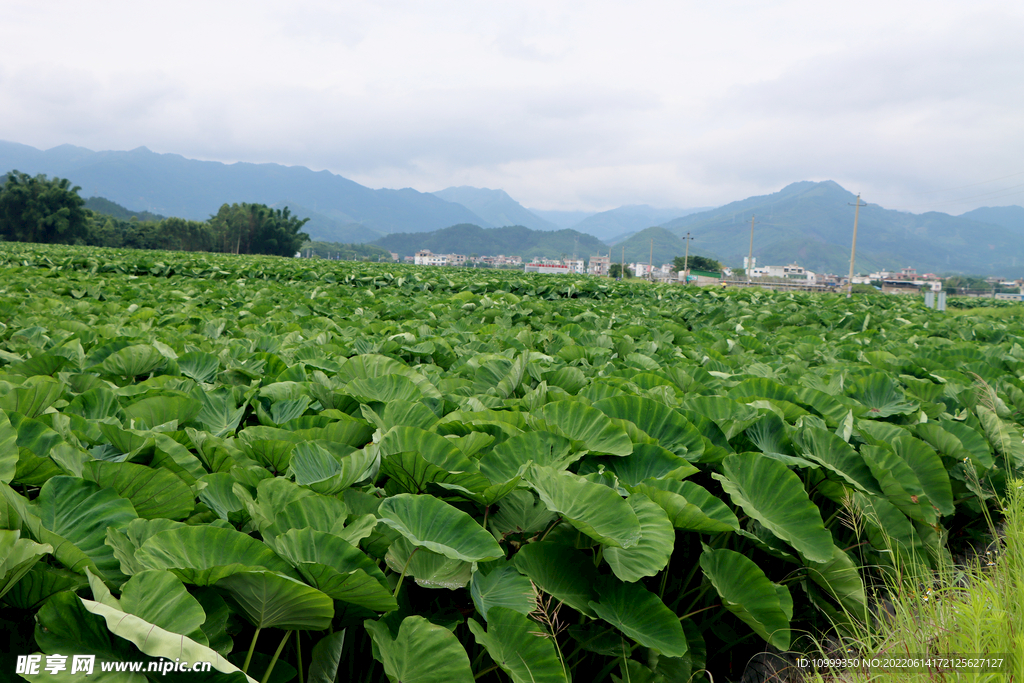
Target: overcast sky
919, 105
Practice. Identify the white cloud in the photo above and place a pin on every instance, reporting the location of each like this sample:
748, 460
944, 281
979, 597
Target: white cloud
562, 105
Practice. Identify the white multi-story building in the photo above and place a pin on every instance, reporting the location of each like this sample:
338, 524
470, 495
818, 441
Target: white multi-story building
790, 272
425, 257
599, 265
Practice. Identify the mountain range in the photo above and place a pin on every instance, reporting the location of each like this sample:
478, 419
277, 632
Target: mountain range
809, 223
171, 185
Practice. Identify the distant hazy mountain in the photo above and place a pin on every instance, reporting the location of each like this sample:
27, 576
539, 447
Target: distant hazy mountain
667, 245
115, 210
563, 219
323, 228
171, 185
495, 207
627, 219
515, 240
1011, 217
811, 223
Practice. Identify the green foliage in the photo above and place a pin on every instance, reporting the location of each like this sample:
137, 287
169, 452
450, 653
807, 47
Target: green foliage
257, 229
454, 468
695, 262
616, 270
344, 252
37, 209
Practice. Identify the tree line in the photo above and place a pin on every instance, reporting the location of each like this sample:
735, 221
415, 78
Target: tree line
50, 211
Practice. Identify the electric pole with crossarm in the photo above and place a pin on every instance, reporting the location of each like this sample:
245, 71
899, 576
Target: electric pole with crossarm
853, 249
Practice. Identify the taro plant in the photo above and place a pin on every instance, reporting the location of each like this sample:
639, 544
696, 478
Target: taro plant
327, 471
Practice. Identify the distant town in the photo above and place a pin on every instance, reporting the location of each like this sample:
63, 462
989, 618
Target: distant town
792, 276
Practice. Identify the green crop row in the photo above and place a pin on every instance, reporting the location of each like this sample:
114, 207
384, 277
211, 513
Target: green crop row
322, 471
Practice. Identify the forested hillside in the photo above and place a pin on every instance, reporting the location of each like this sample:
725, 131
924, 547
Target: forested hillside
513, 240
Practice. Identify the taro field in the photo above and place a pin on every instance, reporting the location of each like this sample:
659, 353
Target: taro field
321, 471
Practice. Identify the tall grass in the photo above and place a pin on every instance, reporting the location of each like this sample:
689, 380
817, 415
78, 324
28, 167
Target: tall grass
973, 608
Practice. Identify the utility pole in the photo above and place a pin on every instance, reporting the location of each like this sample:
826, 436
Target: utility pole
750, 258
686, 262
853, 249
622, 266
650, 261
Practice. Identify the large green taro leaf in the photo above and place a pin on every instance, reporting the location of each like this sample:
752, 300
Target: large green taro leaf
157, 410
337, 568
746, 592
73, 516
1005, 437
641, 615
272, 495
325, 472
594, 509
408, 472
770, 436
772, 494
957, 441
841, 578
219, 413
271, 600
39, 584
429, 522
400, 413
133, 361
199, 365
369, 365
881, 396
432, 447
673, 431
502, 586
657, 540
17, 557
383, 389
95, 404
8, 449
928, 467
216, 493
429, 569
513, 642
154, 493
31, 397
546, 564
504, 461
159, 598
202, 555
732, 417
899, 483
834, 454
832, 409
520, 512
588, 426
318, 513
689, 506
68, 623
421, 652
647, 461
326, 657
